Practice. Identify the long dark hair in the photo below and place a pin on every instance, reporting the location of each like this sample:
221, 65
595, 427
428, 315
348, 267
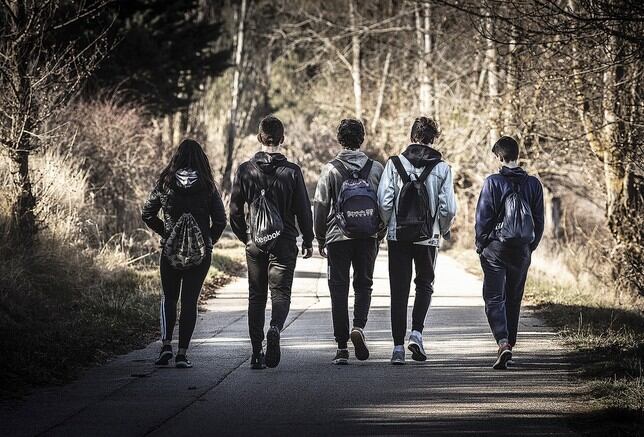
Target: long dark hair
189, 154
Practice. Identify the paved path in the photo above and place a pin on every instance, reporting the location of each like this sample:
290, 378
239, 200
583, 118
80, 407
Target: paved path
454, 393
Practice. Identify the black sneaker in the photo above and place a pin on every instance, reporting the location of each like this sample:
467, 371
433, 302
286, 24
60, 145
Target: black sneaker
273, 353
504, 355
181, 362
359, 344
341, 357
257, 361
164, 356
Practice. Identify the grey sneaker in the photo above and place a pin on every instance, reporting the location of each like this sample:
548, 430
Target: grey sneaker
398, 357
341, 357
503, 356
416, 347
359, 344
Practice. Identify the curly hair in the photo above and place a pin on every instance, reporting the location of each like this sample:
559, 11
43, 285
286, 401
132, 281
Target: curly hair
424, 131
271, 131
351, 133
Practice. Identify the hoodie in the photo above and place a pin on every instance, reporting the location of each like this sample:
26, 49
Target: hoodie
288, 192
490, 203
439, 188
186, 194
328, 189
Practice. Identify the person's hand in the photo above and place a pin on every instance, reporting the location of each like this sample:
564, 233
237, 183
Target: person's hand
307, 252
322, 251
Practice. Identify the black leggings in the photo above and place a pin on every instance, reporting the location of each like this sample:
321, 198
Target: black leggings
187, 283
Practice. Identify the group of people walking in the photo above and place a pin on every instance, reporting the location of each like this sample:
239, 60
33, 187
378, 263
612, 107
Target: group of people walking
357, 203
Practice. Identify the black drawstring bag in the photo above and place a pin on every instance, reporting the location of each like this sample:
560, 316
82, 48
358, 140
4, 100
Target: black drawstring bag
515, 222
266, 223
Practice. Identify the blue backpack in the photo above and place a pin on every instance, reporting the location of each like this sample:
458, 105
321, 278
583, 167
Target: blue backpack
356, 208
515, 224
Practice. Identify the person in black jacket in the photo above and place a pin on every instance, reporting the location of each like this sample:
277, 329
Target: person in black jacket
505, 266
185, 187
273, 269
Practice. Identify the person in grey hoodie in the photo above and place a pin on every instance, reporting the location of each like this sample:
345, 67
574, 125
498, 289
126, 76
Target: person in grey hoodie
341, 251
442, 205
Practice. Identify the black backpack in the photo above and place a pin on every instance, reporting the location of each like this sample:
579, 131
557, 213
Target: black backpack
515, 224
266, 223
413, 218
356, 207
185, 247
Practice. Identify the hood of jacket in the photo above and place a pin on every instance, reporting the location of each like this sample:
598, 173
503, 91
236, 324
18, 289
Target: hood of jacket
268, 162
187, 180
419, 155
352, 159
516, 174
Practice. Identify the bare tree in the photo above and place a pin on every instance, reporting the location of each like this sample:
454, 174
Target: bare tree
41, 68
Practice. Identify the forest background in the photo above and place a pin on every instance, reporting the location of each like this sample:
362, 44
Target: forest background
96, 95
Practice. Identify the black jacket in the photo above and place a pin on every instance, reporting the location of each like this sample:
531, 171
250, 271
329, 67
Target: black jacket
206, 207
489, 206
288, 193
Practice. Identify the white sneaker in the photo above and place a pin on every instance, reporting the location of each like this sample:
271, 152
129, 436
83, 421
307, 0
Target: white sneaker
416, 347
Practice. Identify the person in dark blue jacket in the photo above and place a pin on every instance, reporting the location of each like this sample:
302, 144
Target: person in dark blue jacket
505, 266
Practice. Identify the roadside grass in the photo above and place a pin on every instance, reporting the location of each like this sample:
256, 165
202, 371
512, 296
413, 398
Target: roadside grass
64, 308
606, 332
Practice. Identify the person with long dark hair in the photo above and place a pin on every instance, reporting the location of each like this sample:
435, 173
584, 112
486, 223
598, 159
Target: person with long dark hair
193, 220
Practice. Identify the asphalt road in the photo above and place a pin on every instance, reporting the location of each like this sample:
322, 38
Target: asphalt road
454, 393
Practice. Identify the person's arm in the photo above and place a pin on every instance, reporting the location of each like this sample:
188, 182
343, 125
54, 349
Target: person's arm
322, 205
387, 193
237, 201
150, 213
303, 210
537, 215
446, 204
376, 176
485, 216
217, 216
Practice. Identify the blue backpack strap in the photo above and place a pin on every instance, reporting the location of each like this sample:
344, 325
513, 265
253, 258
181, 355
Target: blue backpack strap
400, 168
341, 169
366, 170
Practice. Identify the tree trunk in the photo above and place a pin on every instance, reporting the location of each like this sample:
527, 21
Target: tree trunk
493, 83
355, 62
381, 93
234, 101
510, 125
424, 50
24, 217
624, 187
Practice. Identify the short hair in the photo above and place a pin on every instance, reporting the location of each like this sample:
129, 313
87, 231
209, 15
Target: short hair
351, 133
271, 131
506, 148
424, 131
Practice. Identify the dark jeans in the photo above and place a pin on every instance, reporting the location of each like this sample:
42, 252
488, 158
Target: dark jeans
269, 270
341, 255
505, 270
186, 283
401, 256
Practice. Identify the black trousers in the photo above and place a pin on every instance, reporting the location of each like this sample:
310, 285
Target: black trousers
187, 284
341, 256
269, 270
401, 256
505, 270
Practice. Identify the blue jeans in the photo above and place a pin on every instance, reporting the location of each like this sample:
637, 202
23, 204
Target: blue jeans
505, 270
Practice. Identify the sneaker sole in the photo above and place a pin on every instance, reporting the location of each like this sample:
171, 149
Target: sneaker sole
502, 361
361, 351
416, 352
398, 363
341, 362
164, 359
273, 355
183, 365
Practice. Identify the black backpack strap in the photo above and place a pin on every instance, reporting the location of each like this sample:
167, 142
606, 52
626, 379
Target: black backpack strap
400, 169
269, 185
428, 169
366, 169
275, 177
340, 168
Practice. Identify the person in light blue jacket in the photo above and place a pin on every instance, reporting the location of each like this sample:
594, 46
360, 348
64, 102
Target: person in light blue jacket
442, 210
